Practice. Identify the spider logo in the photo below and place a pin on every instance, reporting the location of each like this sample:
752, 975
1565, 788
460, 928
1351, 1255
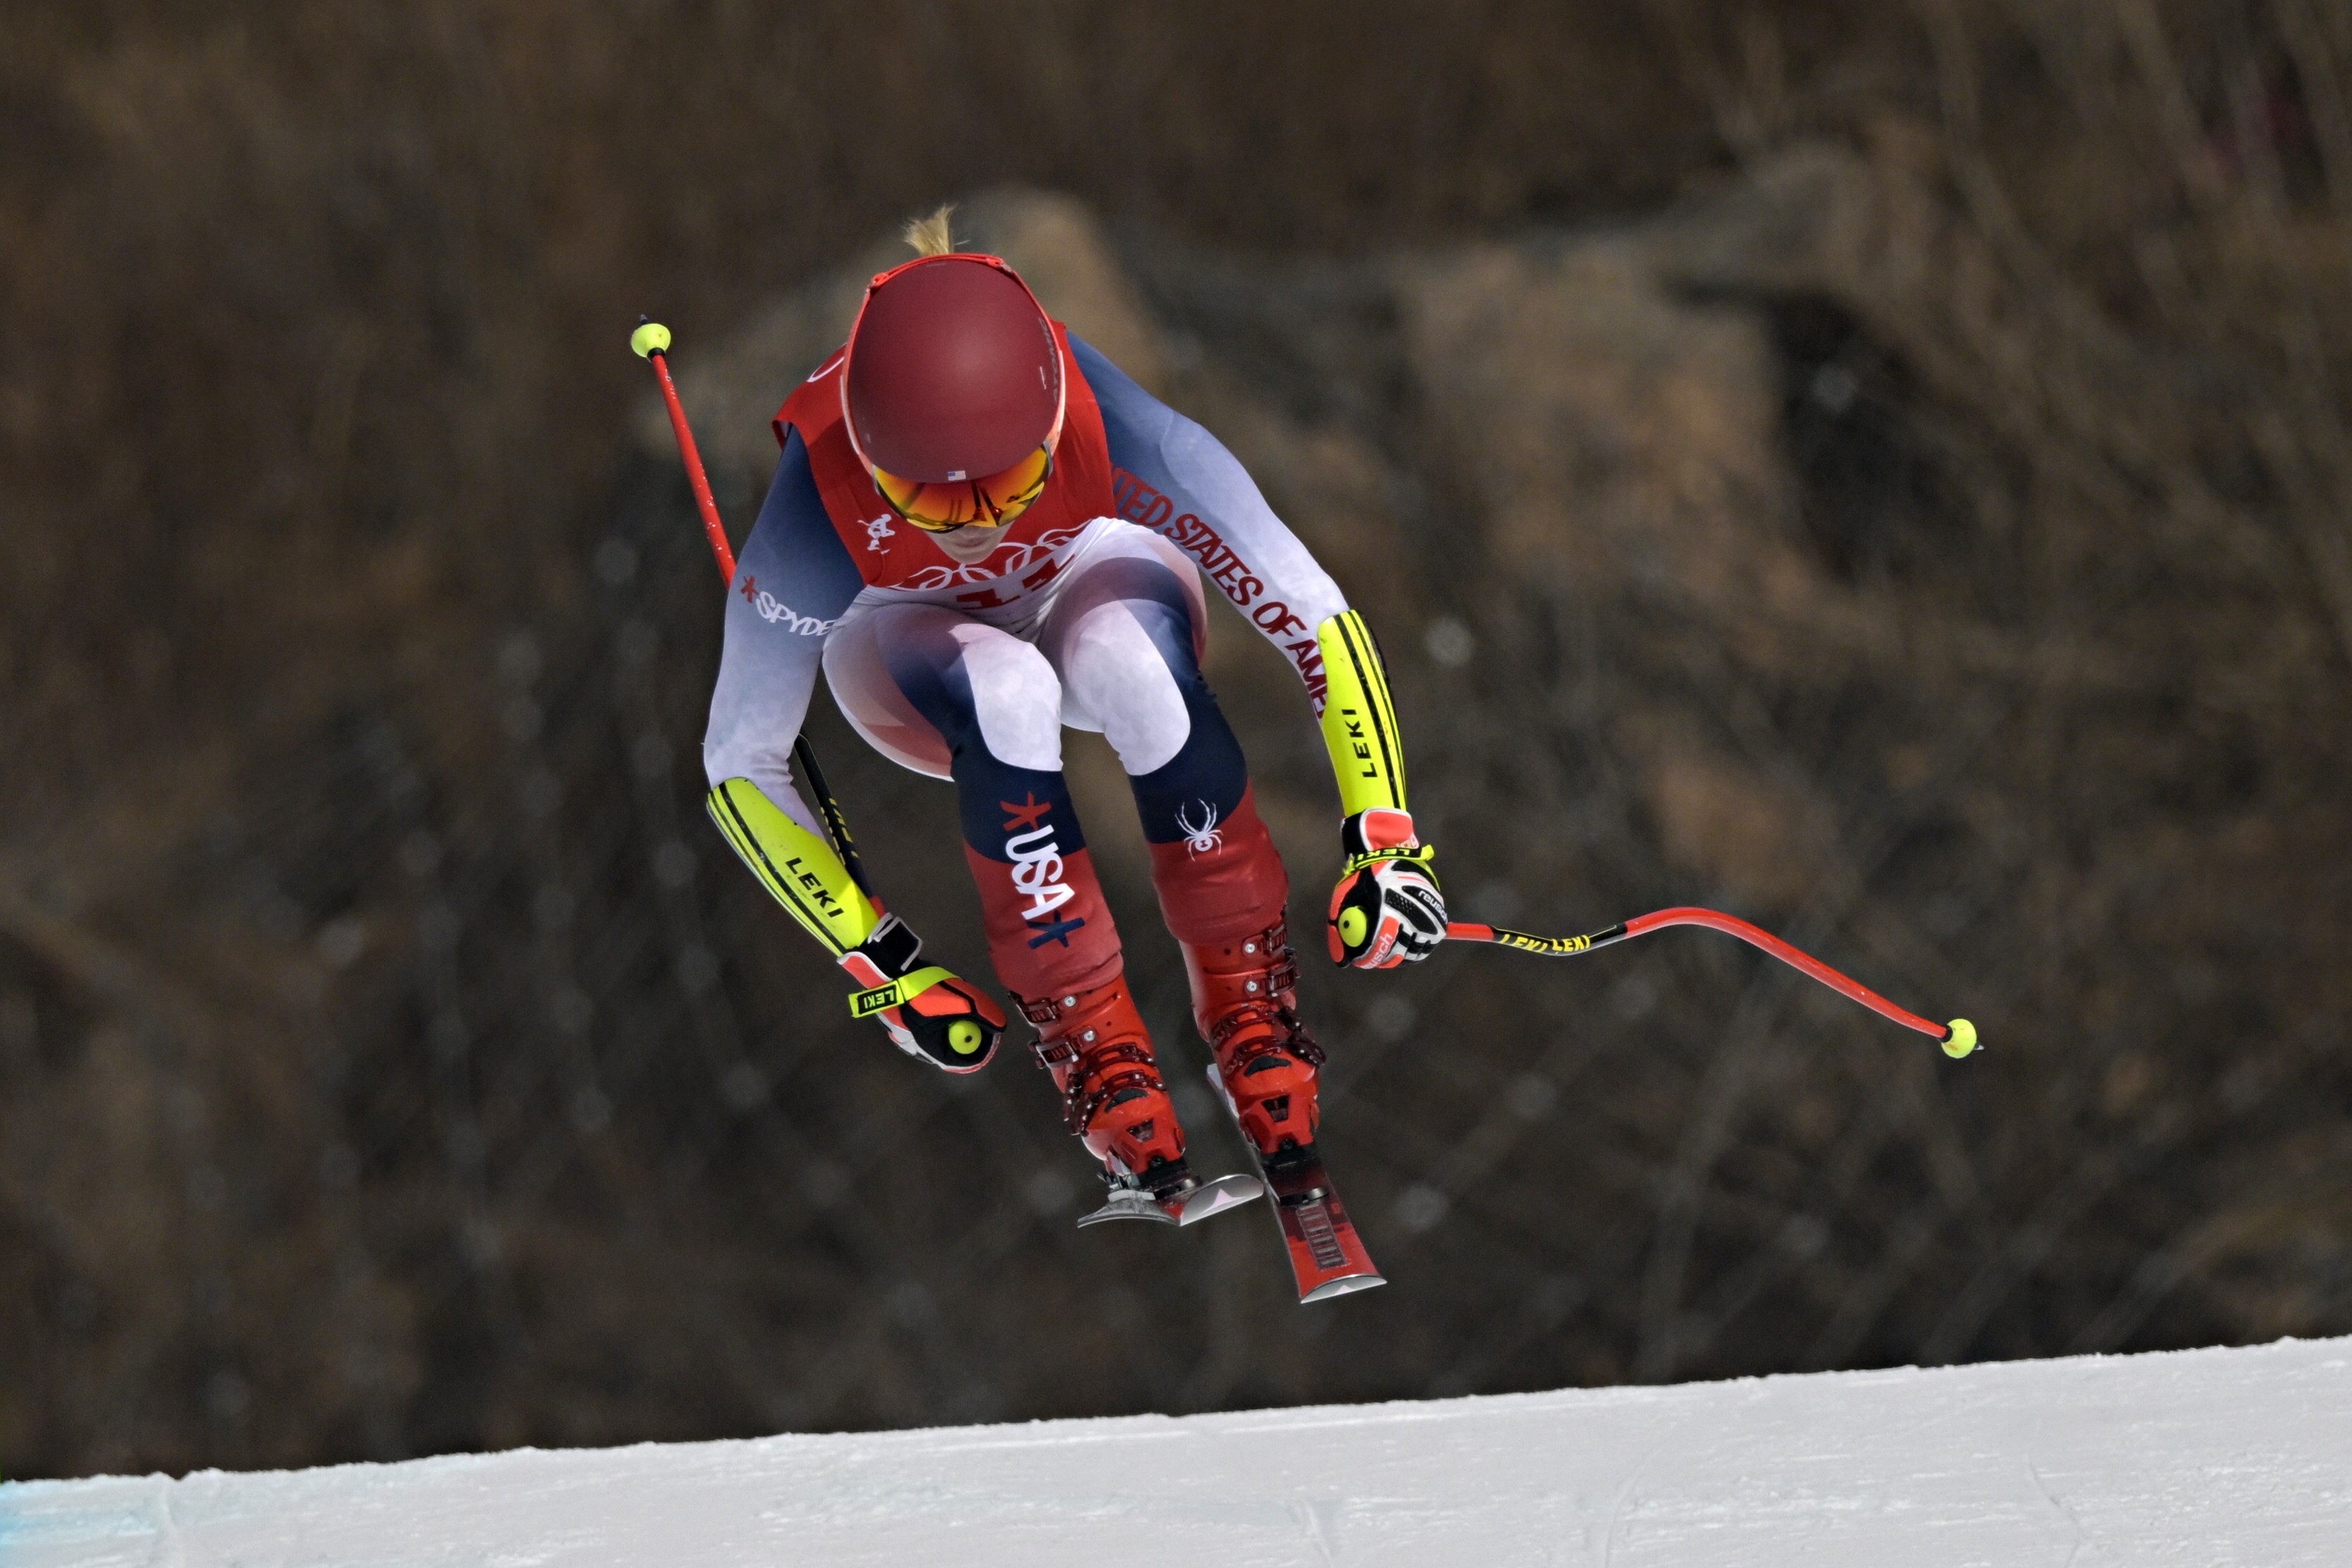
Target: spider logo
1201, 839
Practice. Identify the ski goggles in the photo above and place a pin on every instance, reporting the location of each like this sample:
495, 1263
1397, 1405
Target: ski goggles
991, 501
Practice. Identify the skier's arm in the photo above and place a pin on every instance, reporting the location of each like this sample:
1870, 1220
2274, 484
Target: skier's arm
929, 1011
792, 581
1386, 909
1176, 479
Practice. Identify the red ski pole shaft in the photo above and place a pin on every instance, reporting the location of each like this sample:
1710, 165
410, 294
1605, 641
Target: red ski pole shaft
651, 340
1958, 1038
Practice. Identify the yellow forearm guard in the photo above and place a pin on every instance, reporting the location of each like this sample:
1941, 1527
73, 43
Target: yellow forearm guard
795, 865
1359, 721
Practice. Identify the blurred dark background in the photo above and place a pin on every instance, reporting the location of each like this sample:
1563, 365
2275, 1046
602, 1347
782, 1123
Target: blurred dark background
1881, 468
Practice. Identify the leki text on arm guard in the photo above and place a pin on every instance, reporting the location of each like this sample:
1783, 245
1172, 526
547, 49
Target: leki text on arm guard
1359, 726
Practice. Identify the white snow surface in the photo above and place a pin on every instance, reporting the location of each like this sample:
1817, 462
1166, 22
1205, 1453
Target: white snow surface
2203, 1456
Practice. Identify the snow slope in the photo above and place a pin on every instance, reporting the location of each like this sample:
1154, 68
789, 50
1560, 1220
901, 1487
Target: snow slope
2203, 1457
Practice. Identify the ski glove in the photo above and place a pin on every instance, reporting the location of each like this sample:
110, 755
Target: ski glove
1388, 909
930, 1013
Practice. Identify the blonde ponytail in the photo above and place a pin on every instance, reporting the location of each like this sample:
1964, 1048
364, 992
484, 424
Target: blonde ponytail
929, 236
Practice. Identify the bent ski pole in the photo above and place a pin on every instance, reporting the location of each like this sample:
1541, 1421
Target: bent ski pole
1957, 1038
651, 341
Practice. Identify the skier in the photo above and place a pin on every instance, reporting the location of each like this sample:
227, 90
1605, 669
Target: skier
982, 530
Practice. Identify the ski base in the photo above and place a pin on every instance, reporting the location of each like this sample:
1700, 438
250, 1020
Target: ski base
1190, 1206
1328, 1259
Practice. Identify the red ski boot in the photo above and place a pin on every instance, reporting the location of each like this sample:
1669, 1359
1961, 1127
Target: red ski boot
1114, 1100
1242, 994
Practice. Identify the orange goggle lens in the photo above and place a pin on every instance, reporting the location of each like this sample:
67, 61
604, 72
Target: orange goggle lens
990, 501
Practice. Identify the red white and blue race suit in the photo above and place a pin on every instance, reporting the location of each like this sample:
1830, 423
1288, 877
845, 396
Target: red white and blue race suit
1088, 614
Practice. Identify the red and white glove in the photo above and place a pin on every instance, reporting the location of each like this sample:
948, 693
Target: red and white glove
1386, 909
932, 1014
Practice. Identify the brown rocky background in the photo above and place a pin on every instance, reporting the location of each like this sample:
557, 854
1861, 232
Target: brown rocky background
1879, 469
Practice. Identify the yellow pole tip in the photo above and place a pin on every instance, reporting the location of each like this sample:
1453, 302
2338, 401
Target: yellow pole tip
1962, 1040
651, 339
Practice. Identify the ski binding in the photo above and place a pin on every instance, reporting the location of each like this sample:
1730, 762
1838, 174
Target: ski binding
1187, 1204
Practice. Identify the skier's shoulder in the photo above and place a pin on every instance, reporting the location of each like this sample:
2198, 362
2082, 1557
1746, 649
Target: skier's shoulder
1136, 426
815, 405
1112, 387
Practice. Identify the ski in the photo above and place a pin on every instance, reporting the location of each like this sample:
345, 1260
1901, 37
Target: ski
1195, 1203
1327, 1256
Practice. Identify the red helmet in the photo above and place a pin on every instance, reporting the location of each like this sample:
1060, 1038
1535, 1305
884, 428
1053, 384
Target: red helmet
953, 371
